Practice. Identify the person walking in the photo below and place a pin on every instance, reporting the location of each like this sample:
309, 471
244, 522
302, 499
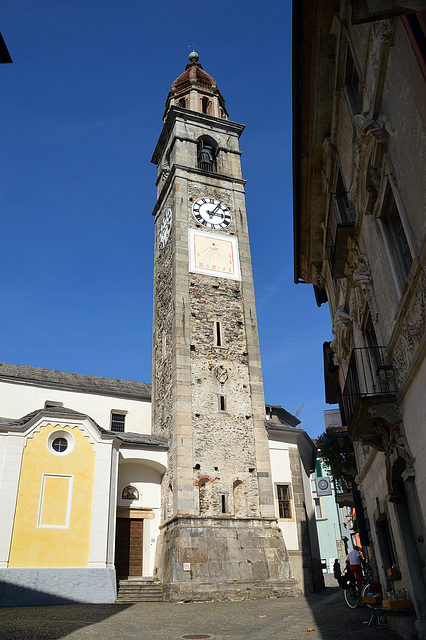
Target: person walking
337, 572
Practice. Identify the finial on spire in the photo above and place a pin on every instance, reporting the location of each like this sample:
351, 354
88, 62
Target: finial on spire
193, 56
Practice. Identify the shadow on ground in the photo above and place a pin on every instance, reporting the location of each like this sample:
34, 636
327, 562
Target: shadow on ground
320, 616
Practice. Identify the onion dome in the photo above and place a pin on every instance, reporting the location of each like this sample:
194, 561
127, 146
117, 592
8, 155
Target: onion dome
195, 90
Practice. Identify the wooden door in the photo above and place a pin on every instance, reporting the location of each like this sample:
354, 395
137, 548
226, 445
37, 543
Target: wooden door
129, 547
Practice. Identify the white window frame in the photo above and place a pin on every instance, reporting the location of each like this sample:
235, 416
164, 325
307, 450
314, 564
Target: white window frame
60, 433
118, 412
398, 276
321, 508
69, 502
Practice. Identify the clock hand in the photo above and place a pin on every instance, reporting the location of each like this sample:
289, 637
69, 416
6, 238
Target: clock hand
219, 214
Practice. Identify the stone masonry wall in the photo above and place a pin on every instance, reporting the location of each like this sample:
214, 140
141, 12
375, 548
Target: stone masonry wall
223, 439
224, 452
162, 350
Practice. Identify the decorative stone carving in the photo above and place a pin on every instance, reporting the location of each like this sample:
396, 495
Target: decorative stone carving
342, 292
381, 34
385, 435
221, 374
195, 191
384, 428
318, 280
327, 164
342, 330
362, 299
412, 331
402, 445
130, 493
388, 412
367, 10
394, 444
371, 138
304, 271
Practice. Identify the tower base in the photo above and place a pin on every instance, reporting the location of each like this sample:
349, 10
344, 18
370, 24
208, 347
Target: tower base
219, 557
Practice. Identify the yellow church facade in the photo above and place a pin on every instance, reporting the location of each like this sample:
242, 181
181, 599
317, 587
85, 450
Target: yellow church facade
71, 490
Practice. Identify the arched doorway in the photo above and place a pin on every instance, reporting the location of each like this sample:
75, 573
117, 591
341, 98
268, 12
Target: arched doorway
138, 516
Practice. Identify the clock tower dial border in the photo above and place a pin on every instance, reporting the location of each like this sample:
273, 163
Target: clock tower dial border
207, 382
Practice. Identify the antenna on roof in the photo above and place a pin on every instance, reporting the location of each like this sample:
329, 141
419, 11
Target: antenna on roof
297, 412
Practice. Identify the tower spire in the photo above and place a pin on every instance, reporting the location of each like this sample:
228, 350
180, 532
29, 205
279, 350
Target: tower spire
196, 90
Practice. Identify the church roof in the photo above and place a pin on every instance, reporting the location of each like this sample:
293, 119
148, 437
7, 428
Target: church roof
195, 80
20, 422
194, 74
134, 439
279, 416
144, 439
73, 381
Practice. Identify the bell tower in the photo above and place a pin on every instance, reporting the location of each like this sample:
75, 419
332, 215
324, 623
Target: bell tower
219, 534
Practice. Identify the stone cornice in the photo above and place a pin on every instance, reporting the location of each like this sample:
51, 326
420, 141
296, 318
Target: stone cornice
200, 119
192, 520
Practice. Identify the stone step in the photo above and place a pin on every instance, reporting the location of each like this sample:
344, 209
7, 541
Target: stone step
130, 591
146, 587
139, 598
136, 594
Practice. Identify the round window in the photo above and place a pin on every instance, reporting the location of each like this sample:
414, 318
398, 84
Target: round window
59, 444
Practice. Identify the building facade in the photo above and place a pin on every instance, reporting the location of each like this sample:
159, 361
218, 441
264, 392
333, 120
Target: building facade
359, 203
334, 504
190, 483
334, 523
83, 485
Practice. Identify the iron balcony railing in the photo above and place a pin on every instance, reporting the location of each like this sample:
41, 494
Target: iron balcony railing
370, 374
341, 486
340, 225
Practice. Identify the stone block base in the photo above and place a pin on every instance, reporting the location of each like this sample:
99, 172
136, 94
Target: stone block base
236, 590
29, 587
223, 557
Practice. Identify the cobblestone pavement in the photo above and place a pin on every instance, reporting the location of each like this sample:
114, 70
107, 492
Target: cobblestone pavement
322, 616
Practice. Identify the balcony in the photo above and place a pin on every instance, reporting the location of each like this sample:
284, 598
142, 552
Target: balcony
369, 397
340, 227
343, 492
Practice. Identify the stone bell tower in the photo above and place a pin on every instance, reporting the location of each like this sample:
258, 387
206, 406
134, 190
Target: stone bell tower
219, 534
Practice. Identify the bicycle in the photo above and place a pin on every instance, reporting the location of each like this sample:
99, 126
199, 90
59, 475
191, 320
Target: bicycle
353, 596
351, 593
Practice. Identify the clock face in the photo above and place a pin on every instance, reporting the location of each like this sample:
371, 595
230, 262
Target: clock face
323, 484
165, 227
211, 213
213, 255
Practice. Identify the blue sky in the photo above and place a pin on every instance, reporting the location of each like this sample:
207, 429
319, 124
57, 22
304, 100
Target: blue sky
81, 110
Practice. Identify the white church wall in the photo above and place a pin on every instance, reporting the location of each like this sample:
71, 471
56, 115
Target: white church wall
143, 470
146, 480
11, 448
17, 400
103, 504
281, 474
